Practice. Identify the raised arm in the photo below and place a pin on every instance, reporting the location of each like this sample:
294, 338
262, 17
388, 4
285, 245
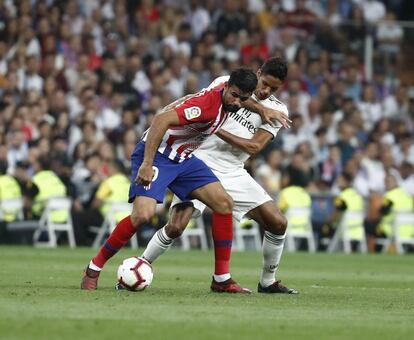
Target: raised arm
268, 115
159, 125
251, 146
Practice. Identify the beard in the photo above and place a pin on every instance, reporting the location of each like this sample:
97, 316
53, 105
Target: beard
230, 108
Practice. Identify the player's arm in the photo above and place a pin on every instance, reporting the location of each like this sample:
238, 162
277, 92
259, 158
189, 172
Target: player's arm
159, 126
268, 115
251, 146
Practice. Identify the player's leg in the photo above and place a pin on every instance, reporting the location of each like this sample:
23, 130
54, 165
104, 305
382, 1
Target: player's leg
214, 196
144, 202
142, 211
275, 224
251, 200
200, 183
180, 216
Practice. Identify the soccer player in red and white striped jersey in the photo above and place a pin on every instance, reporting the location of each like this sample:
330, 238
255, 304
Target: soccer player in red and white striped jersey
164, 159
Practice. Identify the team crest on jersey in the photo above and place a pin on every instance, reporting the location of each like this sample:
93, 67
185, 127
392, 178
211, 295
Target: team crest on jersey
192, 112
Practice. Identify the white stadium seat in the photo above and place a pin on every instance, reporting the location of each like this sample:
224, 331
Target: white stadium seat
196, 228
50, 225
117, 211
299, 227
350, 229
242, 235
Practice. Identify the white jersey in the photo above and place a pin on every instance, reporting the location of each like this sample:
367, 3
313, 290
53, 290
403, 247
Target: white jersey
220, 155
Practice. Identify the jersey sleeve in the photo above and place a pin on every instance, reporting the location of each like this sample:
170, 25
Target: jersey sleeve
274, 104
200, 108
273, 130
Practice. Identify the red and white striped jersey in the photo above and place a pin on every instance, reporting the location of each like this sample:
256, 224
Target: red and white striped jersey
200, 116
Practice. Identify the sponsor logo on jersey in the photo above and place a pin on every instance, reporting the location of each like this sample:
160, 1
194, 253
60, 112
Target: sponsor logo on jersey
192, 112
241, 117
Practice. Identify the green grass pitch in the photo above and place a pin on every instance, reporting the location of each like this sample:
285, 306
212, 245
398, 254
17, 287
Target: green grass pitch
341, 297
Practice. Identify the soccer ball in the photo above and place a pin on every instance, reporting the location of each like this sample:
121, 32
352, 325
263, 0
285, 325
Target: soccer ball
135, 273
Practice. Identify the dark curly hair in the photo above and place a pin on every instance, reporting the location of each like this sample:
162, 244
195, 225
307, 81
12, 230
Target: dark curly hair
245, 79
276, 67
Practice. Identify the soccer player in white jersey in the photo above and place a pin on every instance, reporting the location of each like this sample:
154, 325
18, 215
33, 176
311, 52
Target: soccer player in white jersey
241, 136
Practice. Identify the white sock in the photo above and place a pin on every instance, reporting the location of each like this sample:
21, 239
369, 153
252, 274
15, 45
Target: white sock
94, 267
221, 277
158, 245
272, 252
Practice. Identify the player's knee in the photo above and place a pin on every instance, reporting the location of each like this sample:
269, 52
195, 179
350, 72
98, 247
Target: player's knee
282, 223
279, 225
139, 218
224, 205
174, 230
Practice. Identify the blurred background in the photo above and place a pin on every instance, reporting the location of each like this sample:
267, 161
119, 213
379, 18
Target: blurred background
81, 80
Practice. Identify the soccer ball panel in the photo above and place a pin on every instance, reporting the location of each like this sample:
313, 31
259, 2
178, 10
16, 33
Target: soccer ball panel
135, 273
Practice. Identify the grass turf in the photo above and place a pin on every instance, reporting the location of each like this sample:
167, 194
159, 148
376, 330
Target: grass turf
341, 297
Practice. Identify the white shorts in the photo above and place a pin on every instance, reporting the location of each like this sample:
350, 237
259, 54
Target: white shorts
247, 194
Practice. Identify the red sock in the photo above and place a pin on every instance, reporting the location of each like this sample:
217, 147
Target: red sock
118, 238
222, 230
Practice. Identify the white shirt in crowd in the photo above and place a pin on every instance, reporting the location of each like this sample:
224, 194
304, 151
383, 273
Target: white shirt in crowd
199, 21
371, 113
29, 81
392, 109
373, 10
389, 30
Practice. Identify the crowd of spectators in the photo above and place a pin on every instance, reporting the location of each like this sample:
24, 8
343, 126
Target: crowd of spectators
81, 80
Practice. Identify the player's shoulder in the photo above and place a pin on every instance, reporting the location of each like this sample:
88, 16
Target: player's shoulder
207, 95
275, 103
218, 82
212, 96
275, 100
205, 103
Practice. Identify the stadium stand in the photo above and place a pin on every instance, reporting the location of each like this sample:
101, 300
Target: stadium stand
81, 80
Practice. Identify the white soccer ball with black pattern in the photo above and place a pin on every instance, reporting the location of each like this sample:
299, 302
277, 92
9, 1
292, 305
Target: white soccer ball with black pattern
135, 273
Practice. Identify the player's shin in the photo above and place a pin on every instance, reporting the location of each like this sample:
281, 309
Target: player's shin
118, 238
158, 245
272, 252
222, 230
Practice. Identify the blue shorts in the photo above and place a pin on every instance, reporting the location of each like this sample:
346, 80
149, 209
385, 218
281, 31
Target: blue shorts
181, 178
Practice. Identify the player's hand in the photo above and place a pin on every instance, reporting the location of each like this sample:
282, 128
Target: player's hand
269, 116
144, 175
